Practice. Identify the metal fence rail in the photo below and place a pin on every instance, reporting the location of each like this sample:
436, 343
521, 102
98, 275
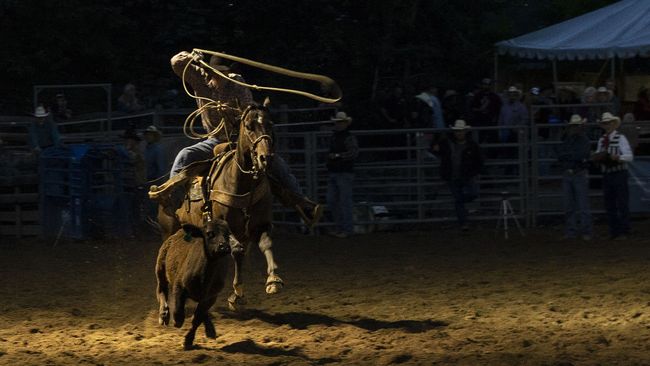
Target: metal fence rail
395, 171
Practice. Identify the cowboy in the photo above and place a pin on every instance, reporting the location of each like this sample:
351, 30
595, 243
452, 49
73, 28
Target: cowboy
606, 96
153, 155
460, 162
209, 85
43, 132
573, 155
512, 113
344, 149
613, 154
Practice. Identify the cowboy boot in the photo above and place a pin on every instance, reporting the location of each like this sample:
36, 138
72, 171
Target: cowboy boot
170, 199
310, 211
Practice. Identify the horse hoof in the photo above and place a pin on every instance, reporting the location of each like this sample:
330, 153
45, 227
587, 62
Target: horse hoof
274, 284
236, 303
273, 288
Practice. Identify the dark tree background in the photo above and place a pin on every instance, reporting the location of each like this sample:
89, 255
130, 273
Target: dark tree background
364, 45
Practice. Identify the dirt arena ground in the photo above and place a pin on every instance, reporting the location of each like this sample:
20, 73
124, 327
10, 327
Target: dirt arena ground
434, 297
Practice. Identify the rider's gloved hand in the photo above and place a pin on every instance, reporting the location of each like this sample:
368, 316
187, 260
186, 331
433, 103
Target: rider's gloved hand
196, 56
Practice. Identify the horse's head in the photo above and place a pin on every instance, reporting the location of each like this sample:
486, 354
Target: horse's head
256, 137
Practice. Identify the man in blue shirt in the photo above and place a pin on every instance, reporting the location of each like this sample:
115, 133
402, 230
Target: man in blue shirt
43, 132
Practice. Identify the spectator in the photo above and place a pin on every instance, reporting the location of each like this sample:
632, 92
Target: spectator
155, 166
615, 100
541, 98
460, 162
485, 107
452, 106
60, 109
427, 111
132, 147
128, 102
573, 155
613, 154
588, 110
642, 105
43, 132
567, 95
513, 113
604, 95
393, 109
153, 156
340, 166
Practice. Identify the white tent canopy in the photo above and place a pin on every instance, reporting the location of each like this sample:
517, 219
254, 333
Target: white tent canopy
620, 30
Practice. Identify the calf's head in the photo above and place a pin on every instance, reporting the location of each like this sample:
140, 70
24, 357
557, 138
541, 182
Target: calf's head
215, 235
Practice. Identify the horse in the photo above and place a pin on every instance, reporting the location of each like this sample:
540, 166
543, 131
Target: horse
237, 190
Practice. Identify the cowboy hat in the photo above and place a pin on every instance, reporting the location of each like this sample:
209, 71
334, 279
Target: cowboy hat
341, 117
216, 63
576, 119
460, 124
41, 112
153, 129
513, 90
604, 90
608, 117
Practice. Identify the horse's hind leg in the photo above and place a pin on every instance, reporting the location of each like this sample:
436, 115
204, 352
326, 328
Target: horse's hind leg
236, 299
273, 282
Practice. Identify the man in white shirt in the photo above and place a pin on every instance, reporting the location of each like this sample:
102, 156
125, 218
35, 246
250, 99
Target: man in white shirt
613, 154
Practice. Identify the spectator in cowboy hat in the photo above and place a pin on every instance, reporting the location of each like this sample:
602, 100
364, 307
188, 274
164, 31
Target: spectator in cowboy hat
513, 113
604, 95
153, 156
343, 151
155, 166
43, 132
573, 156
460, 162
613, 154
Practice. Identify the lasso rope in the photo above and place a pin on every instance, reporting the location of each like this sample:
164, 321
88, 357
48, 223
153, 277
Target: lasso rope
324, 80
188, 126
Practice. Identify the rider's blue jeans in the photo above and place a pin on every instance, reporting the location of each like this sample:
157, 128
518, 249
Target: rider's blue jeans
204, 150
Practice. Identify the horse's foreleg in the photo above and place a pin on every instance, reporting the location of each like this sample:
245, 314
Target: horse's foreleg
273, 282
236, 299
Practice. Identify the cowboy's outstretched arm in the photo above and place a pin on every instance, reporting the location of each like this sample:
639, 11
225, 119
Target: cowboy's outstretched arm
194, 74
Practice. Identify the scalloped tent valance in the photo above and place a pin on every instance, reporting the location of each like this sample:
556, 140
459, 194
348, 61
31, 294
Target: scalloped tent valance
619, 30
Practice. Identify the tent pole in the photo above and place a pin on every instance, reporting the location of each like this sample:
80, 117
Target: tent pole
496, 70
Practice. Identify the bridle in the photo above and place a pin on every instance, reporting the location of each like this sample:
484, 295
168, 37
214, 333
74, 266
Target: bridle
256, 169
